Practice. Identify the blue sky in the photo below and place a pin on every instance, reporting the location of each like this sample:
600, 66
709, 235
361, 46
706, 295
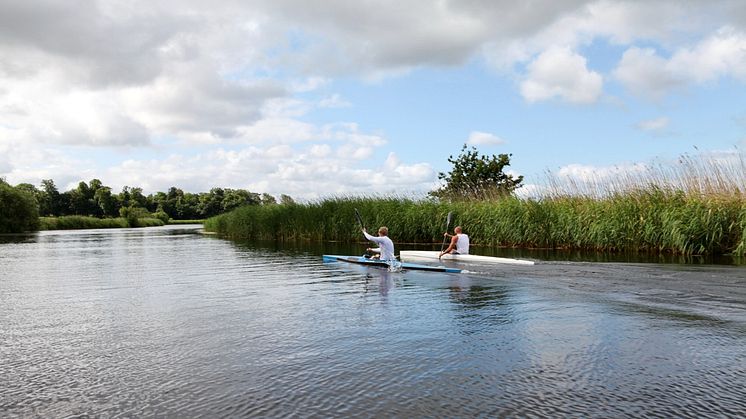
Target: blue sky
321, 98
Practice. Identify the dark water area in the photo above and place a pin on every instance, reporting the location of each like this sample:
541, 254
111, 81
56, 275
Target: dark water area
166, 321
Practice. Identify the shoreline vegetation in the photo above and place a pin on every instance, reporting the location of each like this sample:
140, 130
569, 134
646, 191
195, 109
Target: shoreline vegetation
695, 206
79, 222
652, 221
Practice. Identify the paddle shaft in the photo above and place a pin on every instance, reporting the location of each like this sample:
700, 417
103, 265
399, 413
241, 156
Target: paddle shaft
359, 219
448, 224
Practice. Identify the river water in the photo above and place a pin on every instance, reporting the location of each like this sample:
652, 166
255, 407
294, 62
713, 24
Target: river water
166, 321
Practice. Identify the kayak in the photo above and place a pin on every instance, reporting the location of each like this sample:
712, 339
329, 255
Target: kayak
359, 260
433, 255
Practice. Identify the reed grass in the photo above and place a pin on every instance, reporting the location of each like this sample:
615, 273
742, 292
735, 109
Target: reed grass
78, 222
695, 206
654, 221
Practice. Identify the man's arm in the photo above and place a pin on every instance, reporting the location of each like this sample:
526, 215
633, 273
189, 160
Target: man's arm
451, 246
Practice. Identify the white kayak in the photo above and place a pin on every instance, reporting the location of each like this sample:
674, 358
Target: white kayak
407, 255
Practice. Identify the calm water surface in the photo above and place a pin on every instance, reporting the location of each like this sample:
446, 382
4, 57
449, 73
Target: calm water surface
167, 321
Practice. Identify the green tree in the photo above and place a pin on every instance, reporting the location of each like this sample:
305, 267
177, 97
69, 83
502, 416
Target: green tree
19, 211
211, 204
106, 201
475, 176
51, 202
187, 207
234, 198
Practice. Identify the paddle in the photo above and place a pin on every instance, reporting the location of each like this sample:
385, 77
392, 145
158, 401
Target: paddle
448, 223
359, 219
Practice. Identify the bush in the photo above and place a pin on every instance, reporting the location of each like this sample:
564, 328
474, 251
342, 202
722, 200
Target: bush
19, 211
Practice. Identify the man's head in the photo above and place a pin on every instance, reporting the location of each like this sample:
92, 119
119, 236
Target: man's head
457, 230
383, 231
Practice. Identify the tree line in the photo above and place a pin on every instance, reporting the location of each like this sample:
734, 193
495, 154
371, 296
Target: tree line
473, 177
94, 199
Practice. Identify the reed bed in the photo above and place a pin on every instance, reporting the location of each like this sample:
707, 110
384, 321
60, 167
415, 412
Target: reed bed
714, 174
694, 206
78, 222
654, 221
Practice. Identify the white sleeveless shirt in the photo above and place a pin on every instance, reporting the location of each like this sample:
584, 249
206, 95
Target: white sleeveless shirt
462, 244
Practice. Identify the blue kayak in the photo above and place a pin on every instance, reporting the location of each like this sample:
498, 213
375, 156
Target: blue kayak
359, 260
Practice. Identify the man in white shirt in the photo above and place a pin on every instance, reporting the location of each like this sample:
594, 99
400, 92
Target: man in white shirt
459, 243
385, 245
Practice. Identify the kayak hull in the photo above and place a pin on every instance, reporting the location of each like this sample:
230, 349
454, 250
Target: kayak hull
425, 255
359, 260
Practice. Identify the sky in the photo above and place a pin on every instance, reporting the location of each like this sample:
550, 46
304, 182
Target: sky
316, 98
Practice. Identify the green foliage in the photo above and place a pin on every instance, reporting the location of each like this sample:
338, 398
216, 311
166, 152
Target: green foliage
75, 222
161, 216
474, 176
172, 221
646, 221
18, 209
134, 215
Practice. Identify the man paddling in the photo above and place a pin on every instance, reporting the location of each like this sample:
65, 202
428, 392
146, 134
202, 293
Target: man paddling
459, 243
386, 246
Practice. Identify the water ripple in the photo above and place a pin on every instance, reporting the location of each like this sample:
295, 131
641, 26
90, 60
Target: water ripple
167, 322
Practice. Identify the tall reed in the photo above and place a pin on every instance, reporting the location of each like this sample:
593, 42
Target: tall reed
693, 206
647, 221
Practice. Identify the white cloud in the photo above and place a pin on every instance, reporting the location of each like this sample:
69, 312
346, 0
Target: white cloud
723, 54
645, 73
563, 74
654, 125
246, 76
484, 138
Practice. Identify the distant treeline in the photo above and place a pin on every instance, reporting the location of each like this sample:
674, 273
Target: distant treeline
22, 205
95, 199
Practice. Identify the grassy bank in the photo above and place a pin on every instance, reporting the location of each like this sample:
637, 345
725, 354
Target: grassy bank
647, 221
75, 222
172, 221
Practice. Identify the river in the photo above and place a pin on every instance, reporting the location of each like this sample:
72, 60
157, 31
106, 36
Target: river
167, 321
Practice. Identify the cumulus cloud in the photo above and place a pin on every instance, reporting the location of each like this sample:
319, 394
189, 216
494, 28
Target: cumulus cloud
645, 72
237, 81
483, 138
560, 73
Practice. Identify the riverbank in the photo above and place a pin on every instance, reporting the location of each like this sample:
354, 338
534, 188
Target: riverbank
77, 222
653, 221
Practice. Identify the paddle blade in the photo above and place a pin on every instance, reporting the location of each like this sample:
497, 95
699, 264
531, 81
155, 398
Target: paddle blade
359, 219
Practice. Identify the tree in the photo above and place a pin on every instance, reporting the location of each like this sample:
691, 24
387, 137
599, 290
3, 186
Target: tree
211, 204
52, 201
235, 198
106, 201
19, 211
477, 177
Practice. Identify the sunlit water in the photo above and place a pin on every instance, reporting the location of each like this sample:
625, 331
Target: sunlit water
169, 322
